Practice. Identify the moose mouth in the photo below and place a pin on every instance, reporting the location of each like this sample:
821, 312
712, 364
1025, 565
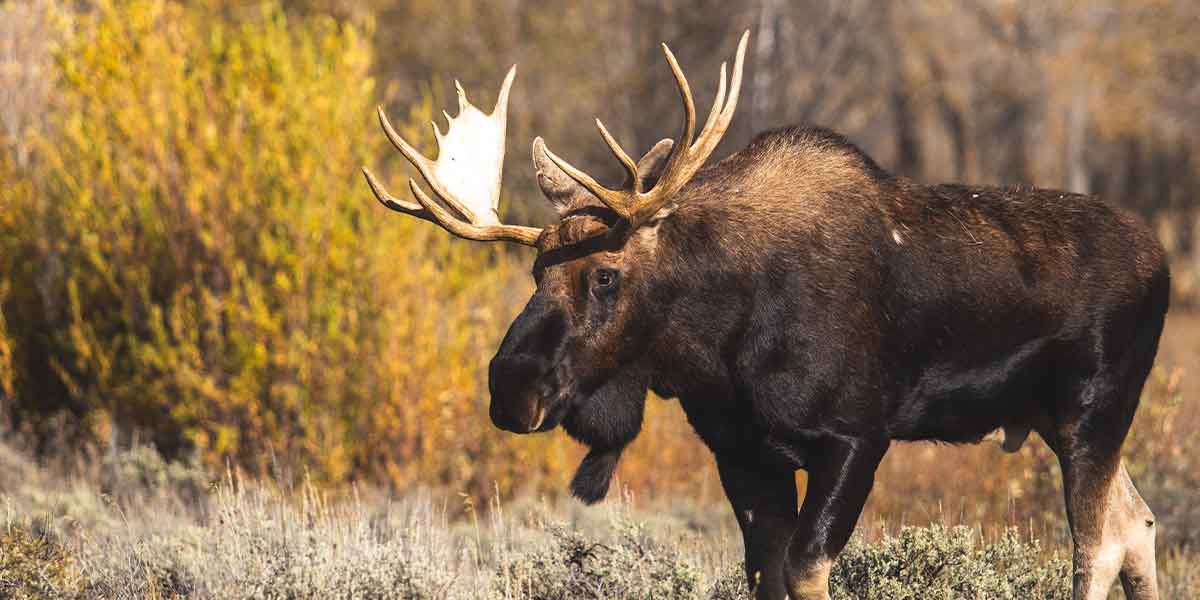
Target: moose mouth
553, 409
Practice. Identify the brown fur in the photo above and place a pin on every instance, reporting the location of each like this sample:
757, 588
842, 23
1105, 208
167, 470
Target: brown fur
807, 308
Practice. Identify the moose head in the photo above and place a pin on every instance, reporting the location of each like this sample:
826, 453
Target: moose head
576, 355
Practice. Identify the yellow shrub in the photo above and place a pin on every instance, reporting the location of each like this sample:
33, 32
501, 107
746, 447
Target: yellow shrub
33, 565
7, 374
199, 249
191, 254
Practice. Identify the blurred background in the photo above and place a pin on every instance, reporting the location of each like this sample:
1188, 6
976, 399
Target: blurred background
191, 262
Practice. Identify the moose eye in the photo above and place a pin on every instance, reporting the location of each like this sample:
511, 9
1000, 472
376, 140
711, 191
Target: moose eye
605, 279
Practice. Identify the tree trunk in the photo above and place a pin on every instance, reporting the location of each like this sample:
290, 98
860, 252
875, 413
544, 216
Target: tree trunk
1077, 178
764, 70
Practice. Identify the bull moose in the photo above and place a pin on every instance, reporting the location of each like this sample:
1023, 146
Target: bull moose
807, 308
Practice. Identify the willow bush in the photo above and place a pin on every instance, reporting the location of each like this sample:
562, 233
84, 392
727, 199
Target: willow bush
192, 256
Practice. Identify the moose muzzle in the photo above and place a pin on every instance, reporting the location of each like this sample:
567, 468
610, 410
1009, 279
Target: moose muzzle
522, 377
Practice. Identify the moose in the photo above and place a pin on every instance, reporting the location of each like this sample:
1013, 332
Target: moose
807, 307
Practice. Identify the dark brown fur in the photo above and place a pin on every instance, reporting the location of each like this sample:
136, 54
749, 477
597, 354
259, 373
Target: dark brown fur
806, 307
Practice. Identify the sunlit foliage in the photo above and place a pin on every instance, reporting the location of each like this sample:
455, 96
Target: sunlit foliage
193, 256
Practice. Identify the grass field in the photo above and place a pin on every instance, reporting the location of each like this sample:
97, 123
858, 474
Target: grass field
145, 529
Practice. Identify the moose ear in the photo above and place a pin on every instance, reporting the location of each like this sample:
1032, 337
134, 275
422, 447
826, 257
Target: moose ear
557, 186
650, 166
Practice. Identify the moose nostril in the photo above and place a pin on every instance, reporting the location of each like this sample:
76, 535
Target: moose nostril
515, 394
504, 419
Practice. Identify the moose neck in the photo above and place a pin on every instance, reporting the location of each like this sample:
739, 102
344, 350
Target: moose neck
757, 239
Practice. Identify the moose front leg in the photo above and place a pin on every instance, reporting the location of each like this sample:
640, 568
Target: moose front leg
840, 477
764, 501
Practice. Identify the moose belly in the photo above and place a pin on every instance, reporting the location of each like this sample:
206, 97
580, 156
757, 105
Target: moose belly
997, 400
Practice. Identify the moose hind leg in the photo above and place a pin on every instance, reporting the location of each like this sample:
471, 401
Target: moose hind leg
1139, 577
1088, 484
1112, 528
1113, 531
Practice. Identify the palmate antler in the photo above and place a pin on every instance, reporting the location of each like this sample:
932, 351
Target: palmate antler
632, 203
466, 175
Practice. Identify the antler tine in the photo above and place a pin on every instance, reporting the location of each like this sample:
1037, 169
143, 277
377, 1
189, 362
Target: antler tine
424, 165
689, 109
687, 156
617, 200
427, 209
500, 111
481, 233
416, 158
391, 201
718, 104
711, 139
688, 159
619, 152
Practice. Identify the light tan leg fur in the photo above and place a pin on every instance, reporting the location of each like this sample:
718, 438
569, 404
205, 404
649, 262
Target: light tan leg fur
1125, 545
814, 585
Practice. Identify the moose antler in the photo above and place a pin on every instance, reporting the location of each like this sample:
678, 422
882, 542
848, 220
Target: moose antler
632, 203
466, 175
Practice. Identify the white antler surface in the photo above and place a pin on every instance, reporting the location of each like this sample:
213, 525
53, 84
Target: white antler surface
471, 155
466, 175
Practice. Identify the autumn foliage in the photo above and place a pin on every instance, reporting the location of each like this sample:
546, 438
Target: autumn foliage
192, 256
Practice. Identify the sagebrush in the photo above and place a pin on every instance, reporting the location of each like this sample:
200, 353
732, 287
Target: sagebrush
65, 537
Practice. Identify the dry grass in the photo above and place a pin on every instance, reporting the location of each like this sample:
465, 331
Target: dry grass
136, 527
